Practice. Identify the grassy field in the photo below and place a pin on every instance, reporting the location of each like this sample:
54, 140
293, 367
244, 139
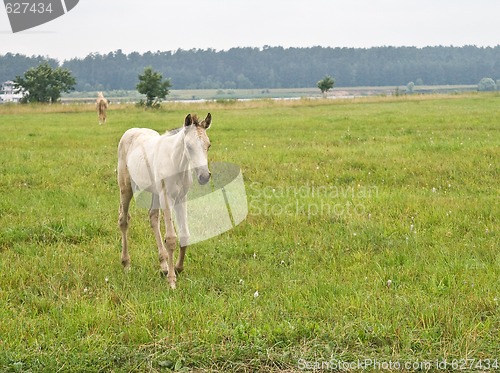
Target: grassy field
372, 238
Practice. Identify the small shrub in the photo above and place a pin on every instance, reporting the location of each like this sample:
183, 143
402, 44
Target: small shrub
486, 85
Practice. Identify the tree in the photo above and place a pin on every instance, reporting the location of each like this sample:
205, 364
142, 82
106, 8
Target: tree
326, 84
152, 85
410, 87
44, 83
486, 84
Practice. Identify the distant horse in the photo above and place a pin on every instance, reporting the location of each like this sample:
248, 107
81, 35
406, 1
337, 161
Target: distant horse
102, 106
162, 165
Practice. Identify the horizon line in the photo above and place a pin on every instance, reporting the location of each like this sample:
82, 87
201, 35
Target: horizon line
261, 48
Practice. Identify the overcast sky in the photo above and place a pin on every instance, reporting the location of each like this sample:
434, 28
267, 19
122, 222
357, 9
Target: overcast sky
160, 25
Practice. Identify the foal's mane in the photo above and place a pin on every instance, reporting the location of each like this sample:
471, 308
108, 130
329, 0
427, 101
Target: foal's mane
172, 132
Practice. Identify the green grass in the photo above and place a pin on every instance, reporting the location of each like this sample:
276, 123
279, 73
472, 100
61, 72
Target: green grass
343, 197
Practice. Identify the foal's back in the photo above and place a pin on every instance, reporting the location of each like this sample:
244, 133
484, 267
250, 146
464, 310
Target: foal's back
135, 137
134, 154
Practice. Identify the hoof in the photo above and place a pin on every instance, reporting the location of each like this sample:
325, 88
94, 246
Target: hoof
126, 265
165, 273
171, 280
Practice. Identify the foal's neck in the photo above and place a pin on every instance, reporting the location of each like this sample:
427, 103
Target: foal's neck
176, 146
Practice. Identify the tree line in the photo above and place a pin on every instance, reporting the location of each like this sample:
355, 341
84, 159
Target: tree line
274, 67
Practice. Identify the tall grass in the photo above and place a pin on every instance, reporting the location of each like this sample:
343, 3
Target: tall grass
372, 234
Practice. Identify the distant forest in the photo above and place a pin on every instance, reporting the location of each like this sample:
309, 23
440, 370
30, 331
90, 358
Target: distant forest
275, 67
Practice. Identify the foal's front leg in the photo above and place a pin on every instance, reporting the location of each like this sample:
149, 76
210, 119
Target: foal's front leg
181, 215
170, 238
154, 219
171, 243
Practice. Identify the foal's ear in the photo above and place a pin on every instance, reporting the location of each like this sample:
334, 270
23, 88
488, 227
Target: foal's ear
207, 121
188, 121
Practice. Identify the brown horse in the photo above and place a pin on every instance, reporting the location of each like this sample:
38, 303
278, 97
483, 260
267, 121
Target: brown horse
102, 106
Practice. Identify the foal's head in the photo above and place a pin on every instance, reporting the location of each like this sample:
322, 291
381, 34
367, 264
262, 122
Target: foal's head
198, 143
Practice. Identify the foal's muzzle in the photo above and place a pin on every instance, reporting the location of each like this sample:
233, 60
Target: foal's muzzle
204, 177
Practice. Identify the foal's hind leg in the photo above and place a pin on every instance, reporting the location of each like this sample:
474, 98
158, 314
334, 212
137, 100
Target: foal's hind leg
123, 220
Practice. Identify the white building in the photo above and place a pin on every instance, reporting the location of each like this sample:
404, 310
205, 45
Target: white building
7, 92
